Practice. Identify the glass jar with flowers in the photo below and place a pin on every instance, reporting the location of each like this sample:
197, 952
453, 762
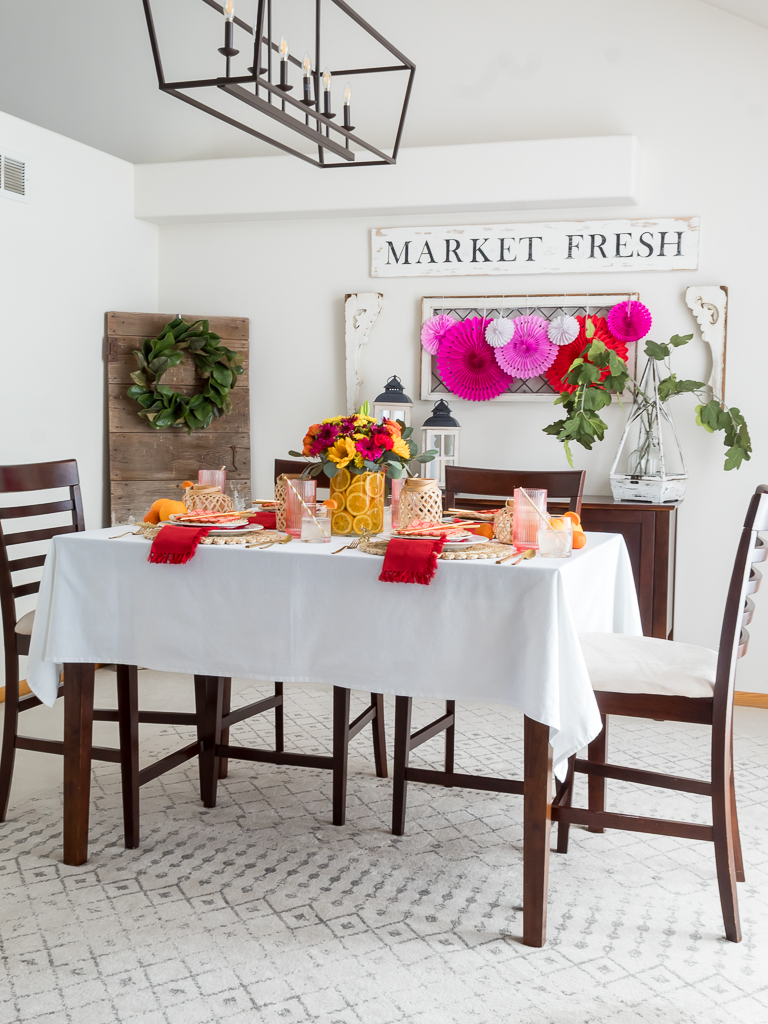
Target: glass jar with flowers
357, 454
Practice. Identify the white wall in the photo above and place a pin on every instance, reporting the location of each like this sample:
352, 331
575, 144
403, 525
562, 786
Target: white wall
70, 254
691, 83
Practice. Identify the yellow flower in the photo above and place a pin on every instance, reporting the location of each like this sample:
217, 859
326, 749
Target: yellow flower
363, 421
342, 452
400, 447
359, 461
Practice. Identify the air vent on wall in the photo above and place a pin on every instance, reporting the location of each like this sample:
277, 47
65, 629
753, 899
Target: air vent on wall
13, 176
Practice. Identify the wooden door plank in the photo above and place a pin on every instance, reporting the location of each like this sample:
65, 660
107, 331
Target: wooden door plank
171, 456
121, 364
131, 499
149, 325
123, 416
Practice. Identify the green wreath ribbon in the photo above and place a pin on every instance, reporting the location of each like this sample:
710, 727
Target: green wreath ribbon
217, 365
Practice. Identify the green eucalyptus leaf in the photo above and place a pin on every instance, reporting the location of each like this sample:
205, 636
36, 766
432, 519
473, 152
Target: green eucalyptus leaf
331, 469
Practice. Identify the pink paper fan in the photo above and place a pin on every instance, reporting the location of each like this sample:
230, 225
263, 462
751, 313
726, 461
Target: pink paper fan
629, 321
466, 363
530, 351
433, 332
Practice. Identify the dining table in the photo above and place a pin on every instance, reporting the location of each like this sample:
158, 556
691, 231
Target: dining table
306, 613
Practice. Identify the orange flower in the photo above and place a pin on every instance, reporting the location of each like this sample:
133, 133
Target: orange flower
393, 428
309, 438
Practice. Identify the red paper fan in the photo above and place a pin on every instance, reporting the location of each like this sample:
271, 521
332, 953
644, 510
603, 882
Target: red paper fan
566, 354
466, 362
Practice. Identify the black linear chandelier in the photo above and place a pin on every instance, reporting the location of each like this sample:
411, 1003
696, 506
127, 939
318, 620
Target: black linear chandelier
311, 116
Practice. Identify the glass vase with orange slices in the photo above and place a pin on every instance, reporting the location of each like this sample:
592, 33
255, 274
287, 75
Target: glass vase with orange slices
358, 454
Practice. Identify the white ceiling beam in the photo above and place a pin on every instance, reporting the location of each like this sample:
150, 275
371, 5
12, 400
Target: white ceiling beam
541, 174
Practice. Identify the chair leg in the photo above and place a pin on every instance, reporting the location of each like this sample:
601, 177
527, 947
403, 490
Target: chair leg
209, 691
279, 721
10, 732
450, 736
128, 725
340, 753
722, 822
735, 827
597, 751
379, 736
226, 707
566, 788
403, 707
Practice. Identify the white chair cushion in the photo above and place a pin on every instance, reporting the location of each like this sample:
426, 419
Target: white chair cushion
644, 664
24, 625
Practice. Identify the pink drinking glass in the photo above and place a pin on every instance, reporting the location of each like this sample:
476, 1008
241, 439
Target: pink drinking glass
527, 520
295, 490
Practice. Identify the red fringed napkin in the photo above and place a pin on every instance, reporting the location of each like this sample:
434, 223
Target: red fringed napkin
411, 561
177, 544
266, 519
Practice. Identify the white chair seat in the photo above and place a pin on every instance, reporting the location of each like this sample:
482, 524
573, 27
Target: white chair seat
645, 664
24, 625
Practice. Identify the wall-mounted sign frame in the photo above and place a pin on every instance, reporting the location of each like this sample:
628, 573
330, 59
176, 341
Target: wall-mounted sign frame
564, 247
462, 307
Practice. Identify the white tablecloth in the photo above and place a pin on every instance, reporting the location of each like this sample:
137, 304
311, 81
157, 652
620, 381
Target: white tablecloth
480, 631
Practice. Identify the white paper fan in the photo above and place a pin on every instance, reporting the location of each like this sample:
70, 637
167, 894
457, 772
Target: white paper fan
563, 330
499, 332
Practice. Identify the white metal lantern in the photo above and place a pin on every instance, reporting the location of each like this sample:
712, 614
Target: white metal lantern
393, 403
441, 431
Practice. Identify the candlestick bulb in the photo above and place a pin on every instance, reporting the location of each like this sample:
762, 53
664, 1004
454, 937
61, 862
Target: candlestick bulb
307, 66
229, 12
283, 49
327, 80
347, 95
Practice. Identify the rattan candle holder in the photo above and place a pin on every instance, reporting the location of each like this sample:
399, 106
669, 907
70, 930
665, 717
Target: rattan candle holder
420, 499
210, 499
503, 522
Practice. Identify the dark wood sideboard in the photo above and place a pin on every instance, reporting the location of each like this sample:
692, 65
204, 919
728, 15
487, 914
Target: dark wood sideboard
650, 532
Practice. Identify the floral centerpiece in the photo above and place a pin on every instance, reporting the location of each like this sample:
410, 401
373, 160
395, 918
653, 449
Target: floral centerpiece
357, 453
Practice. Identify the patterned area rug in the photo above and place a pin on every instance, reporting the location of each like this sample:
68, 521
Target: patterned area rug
261, 911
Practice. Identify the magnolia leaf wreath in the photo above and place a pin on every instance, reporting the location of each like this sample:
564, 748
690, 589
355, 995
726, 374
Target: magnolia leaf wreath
218, 366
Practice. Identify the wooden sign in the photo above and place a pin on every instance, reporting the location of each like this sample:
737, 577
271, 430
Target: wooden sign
549, 248
145, 464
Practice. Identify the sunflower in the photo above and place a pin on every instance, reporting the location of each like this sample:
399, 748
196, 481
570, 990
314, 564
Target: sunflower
400, 447
342, 452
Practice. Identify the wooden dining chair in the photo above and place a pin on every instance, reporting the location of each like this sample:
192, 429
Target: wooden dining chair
494, 485
663, 680
219, 718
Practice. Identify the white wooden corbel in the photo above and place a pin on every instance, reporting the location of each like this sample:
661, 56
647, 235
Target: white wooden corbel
360, 312
709, 304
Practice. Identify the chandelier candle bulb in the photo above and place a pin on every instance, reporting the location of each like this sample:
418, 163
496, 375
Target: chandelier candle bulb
284, 65
228, 49
307, 80
347, 116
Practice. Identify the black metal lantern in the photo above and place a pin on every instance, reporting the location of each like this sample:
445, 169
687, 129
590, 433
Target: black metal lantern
253, 91
393, 403
440, 431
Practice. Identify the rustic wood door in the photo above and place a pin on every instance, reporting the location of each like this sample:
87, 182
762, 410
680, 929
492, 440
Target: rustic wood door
145, 464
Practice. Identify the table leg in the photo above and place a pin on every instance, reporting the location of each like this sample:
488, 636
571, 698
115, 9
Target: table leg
403, 707
340, 753
78, 733
128, 712
209, 695
537, 812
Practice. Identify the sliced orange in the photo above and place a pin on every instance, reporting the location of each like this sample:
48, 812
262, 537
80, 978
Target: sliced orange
186, 484
557, 524
375, 484
341, 523
331, 503
377, 519
341, 481
362, 523
572, 515
357, 503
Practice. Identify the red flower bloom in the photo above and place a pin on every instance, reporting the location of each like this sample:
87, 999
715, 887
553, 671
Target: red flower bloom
558, 371
384, 438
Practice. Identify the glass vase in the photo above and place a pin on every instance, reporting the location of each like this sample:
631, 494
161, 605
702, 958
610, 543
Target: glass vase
360, 502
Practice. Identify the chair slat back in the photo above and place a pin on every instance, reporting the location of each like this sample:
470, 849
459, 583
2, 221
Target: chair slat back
501, 483
16, 480
293, 466
739, 609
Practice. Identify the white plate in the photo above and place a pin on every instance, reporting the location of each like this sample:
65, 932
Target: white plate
450, 545
243, 526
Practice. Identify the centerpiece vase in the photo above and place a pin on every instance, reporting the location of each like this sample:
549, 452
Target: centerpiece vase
643, 473
360, 502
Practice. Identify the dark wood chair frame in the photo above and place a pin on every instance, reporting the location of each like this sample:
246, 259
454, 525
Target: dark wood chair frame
716, 712
567, 485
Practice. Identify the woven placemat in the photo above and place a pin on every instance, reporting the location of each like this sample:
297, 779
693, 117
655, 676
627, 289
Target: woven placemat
150, 531
490, 550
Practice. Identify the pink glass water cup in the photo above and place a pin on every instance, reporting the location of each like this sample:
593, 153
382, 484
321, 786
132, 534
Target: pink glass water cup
297, 491
213, 478
396, 486
527, 519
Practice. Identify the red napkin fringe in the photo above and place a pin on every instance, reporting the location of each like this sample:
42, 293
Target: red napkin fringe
175, 545
423, 564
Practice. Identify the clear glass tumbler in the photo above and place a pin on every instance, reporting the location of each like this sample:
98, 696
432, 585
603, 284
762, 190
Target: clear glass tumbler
297, 491
556, 543
315, 525
527, 518
396, 488
213, 478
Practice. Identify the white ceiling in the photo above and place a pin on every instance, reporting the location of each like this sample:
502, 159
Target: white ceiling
84, 68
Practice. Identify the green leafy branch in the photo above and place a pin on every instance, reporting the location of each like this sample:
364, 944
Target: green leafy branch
584, 426
216, 364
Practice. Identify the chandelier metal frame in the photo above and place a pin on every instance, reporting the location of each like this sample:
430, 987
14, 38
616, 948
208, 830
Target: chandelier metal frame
277, 99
